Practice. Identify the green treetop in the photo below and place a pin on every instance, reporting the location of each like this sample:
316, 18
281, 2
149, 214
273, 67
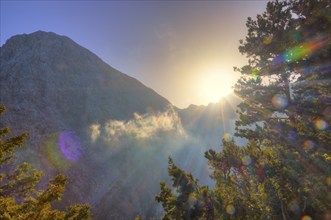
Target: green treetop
19, 198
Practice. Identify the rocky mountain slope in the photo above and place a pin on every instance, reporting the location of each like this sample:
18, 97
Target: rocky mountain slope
66, 81
107, 131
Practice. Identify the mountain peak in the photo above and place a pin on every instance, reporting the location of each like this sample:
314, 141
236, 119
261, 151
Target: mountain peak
35, 36
45, 44
69, 81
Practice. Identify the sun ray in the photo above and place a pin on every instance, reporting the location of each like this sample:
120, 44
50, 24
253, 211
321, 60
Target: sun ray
215, 84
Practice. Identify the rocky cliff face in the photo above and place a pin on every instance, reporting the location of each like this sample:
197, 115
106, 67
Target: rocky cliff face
61, 85
108, 132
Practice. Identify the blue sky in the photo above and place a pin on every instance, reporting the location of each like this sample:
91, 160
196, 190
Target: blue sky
169, 46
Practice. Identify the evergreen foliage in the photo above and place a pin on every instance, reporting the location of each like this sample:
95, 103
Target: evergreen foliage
284, 170
19, 198
189, 201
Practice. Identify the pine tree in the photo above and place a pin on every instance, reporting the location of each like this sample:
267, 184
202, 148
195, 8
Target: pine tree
284, 90
284, 170
19, 198
189, 201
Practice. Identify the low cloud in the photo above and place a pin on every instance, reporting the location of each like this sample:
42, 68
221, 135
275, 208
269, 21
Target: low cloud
95, 131
139, 127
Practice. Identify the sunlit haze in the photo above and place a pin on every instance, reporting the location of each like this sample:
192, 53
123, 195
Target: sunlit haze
183, 50
215, 83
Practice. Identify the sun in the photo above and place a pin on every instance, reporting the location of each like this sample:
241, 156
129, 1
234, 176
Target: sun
215, 84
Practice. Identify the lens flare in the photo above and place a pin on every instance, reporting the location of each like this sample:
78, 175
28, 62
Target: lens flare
227, 137
52, 152
292, 135
306, 217
267, 40
309, 145
321, 124
246, 160
279, 101
70, 145
255, 74
299, 52
230, 209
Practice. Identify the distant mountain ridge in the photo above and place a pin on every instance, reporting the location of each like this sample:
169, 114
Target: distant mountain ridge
107, 131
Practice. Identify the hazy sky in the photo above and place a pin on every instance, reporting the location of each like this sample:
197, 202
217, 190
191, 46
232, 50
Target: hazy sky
184, 50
